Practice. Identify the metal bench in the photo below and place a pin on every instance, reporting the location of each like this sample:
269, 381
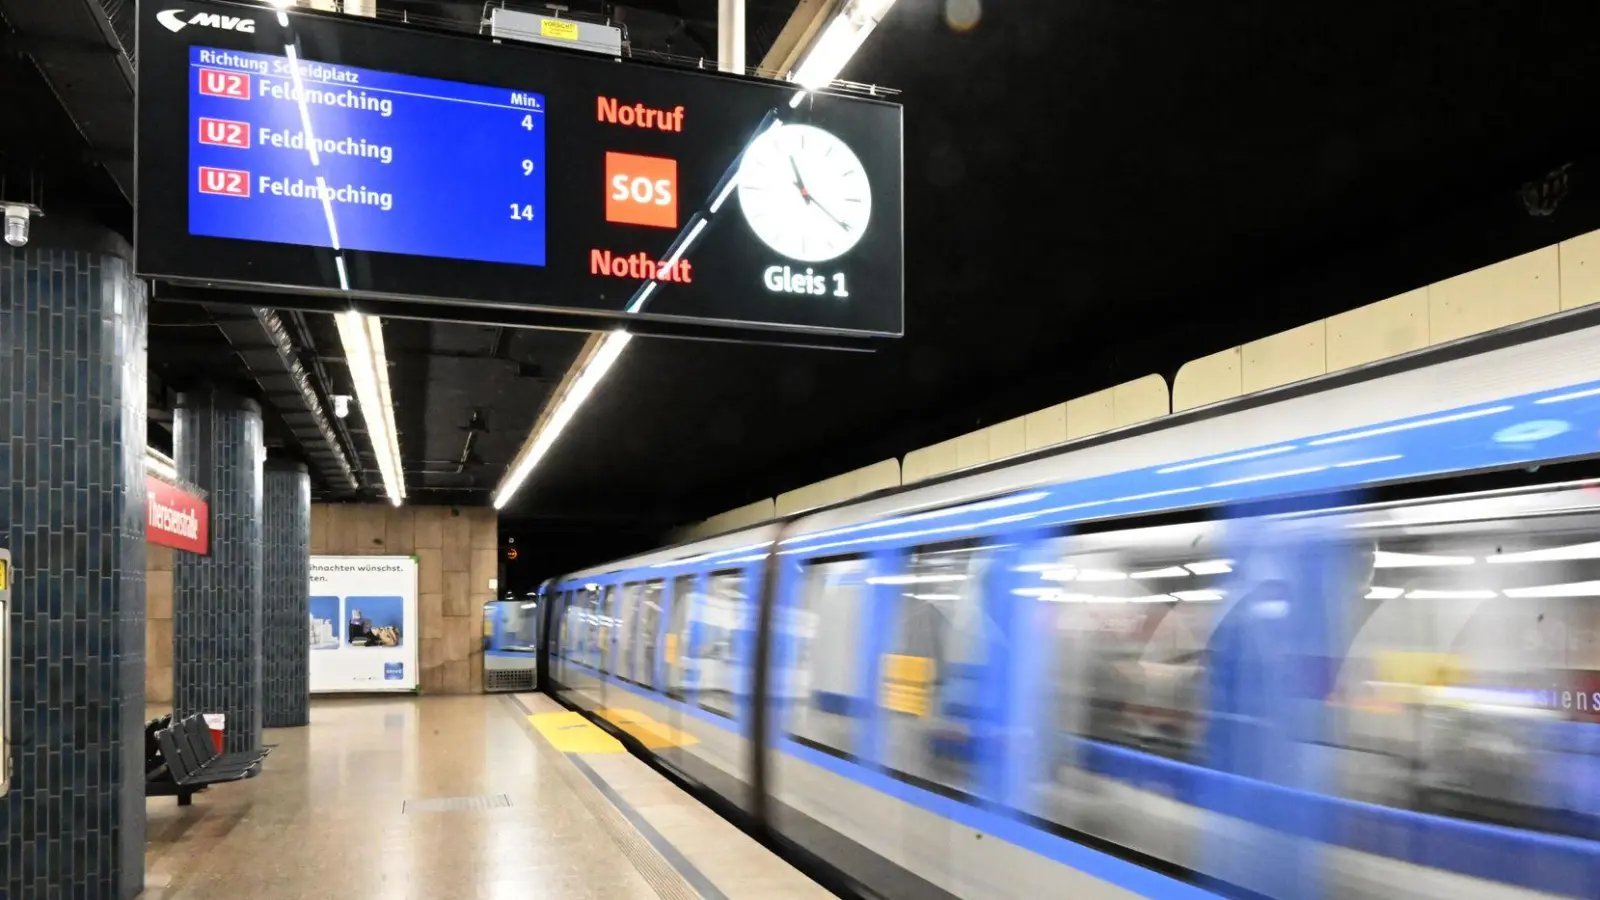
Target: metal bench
191, 762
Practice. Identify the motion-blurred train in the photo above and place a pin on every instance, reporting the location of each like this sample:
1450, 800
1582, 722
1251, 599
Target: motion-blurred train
1337, 640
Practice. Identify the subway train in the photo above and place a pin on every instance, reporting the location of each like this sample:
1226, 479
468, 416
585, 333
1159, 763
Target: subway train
1336, 640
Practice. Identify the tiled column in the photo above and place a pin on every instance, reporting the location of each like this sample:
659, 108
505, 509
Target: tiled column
216, 598
72, 512
285, 594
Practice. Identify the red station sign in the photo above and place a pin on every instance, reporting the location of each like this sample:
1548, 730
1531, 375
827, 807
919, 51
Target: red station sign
176, 518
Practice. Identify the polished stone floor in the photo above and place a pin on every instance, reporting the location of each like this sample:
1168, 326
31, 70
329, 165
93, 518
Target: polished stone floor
451, 797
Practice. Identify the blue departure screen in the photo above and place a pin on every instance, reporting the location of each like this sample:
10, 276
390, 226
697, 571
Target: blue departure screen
343, 157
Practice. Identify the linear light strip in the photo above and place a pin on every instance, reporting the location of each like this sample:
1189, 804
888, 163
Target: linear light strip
839, 41
362, 337
543, 439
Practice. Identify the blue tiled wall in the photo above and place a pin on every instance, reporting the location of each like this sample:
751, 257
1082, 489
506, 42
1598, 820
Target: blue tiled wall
285, 594
216, 598
72, 512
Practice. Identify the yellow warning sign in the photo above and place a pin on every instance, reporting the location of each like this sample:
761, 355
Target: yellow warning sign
559, 30
906, 684
5, 576
570, 732
654, 735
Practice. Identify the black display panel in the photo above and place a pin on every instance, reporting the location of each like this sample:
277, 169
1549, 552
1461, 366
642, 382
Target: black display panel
339, 157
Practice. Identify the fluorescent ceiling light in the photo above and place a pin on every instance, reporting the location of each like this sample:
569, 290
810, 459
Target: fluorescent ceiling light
160, 464
541, 441
1071, 573
1451, 595
1408, 426
1575, 395
997, 503
1168, 572
1384, 593
362, 336
1210, 567
1308, 470
1232, 457
934, 596
1202, 596
839, 41
1550, 554
1574, 589
916, 579
1153, 494
1367, 462
1384, 559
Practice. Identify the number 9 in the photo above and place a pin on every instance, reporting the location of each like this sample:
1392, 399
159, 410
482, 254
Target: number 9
527, 167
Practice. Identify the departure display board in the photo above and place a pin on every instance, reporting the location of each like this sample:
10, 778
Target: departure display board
340, 157
262, 174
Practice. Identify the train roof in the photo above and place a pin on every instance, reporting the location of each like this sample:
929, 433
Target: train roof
1508, 398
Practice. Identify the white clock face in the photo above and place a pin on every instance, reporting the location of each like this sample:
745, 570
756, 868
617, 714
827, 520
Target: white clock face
804, 193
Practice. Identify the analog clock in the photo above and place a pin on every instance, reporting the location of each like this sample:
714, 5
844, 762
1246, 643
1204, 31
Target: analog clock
804, 193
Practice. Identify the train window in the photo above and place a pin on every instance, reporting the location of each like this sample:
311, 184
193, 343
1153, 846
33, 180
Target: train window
560, 640
627, 603
822, 683
1127, 617
648, 615
577, 633
556, 639
719, 674
934, 665
605, 604
677, 641
1471, 682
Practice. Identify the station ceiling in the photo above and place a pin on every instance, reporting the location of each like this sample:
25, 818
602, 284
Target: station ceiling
1095, 190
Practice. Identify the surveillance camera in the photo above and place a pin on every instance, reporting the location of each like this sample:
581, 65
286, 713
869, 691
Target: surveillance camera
17, 216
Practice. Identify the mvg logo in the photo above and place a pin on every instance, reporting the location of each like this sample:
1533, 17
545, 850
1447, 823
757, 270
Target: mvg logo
229, 182
225, 133
219, 83
173, 20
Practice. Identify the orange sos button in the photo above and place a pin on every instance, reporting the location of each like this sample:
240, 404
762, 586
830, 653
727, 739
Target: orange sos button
641, 190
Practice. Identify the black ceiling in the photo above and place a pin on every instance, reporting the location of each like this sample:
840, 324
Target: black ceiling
1095, 190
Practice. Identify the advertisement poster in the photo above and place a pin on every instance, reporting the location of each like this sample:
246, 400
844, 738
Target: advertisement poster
363, 624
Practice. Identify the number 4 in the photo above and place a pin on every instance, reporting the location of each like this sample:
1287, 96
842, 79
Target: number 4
527, 122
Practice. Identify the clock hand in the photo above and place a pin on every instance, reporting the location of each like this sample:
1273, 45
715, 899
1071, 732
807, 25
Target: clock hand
836, 220
798, 181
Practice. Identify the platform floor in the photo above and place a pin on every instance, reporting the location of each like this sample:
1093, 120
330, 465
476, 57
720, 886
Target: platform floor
453, 797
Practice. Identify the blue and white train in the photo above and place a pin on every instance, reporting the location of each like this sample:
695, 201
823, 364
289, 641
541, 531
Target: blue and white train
1337, 640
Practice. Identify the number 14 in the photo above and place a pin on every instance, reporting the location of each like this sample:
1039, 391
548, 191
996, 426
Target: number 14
522, 211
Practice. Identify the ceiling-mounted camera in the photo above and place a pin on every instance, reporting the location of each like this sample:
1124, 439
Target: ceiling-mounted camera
17, 218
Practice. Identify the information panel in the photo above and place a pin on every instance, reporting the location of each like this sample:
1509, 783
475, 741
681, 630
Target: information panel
344, 157
261, 174
363, 626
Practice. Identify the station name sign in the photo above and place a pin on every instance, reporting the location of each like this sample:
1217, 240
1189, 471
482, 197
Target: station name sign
176, 518
340, 157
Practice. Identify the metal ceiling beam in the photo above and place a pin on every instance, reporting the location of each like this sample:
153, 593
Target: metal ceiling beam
268, 353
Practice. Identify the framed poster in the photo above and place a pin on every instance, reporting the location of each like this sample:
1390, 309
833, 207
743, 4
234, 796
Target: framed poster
363, 624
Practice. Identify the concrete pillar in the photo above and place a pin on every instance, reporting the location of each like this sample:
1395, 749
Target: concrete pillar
216, 598
72, 512
286, 594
